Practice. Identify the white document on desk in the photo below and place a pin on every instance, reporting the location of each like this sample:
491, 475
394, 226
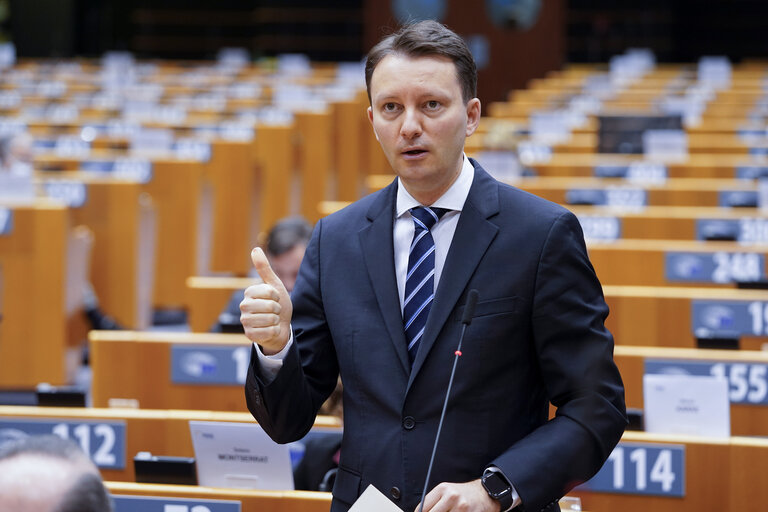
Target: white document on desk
372, 500
687, 404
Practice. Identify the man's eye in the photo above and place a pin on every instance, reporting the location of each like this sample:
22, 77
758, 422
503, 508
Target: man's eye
390, 107
432, 105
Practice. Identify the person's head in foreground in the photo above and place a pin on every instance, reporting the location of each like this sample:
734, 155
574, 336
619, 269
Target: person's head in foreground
49, 474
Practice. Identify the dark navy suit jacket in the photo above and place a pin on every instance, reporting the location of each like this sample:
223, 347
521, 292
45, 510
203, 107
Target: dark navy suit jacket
537, 336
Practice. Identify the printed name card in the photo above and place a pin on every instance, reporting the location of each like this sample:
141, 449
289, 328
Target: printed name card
209, 364
73, 193
159, 504
729, 318
686, 404
600, 228
6, 221
713, 267
643, 469
103, 441
747, 382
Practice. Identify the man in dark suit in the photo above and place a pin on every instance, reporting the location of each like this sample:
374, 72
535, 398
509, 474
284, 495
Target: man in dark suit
379, 297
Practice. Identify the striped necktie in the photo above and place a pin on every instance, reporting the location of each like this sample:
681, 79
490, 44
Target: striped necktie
420, 280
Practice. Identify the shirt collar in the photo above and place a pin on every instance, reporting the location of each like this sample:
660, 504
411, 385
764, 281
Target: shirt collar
453, 199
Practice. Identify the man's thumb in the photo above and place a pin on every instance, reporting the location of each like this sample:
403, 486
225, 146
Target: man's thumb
262, 266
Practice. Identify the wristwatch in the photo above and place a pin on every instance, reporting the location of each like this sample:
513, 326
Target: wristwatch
498, 487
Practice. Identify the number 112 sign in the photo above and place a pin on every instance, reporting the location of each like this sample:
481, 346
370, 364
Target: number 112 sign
642, 468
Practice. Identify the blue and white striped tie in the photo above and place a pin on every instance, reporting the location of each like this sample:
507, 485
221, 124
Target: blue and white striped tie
420, 280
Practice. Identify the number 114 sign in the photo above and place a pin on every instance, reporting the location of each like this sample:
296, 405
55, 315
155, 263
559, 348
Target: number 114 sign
642, 468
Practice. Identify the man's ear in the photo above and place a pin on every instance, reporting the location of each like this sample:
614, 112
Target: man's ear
473, 116
370, 118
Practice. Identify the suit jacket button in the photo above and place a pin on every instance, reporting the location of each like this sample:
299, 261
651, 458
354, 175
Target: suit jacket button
409, 423
394, 493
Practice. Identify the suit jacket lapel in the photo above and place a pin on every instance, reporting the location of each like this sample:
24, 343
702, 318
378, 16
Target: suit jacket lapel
378, 254
474, 234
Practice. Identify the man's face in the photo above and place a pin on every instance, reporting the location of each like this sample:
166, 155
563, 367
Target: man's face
420, 119
286, 266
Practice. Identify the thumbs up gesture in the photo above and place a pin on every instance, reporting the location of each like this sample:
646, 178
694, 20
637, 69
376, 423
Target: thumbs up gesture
266, 309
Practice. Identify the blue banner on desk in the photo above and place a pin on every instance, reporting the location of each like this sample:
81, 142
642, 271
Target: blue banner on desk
642, 468
159, 504
6, 221
737, 198
209, 364
729, 318
103, 441
713, 267
747, 230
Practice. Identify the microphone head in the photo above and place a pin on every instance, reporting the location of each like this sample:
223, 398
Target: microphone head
469, 307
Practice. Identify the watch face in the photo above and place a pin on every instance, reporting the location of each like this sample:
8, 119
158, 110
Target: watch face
495, 484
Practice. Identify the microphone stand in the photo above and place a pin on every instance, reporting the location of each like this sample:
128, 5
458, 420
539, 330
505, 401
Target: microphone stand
466, 319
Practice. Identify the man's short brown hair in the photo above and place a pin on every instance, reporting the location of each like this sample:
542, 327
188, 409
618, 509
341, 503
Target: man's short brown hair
423, 39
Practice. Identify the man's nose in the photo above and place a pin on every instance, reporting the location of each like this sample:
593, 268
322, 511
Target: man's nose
411, 126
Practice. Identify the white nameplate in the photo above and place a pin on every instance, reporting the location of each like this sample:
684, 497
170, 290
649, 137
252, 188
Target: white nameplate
686, 404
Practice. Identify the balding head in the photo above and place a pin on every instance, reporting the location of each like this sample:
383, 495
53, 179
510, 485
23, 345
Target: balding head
49, 474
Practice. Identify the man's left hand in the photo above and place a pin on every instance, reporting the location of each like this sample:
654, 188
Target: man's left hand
466, 497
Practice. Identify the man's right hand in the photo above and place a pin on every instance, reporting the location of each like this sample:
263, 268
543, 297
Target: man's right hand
266, 309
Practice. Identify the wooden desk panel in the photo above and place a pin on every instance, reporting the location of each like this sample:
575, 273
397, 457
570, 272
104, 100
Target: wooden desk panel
251, 501
33, 329
162, 432
702, 192
232, 173
641, 262
137, 365
661, 316
208, 296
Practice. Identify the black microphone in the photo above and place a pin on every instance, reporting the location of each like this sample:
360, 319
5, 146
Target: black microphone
466, 319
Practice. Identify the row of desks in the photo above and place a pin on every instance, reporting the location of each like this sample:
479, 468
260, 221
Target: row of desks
646, 471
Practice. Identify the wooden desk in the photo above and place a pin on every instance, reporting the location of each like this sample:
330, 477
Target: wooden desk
137, 365
232, 174
642, 262
675, 222
121, 216
661, 316
161, 432
175, 189
33, 262
748, 418
250, 501
208, 296
720, 474
671, 192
